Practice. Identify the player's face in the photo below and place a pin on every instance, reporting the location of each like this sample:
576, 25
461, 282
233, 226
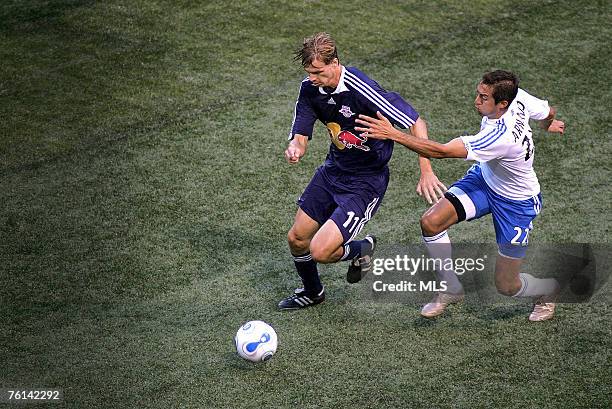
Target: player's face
485, 103
324, 75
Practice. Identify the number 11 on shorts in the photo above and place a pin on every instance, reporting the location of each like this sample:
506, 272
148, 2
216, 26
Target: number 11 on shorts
353, 218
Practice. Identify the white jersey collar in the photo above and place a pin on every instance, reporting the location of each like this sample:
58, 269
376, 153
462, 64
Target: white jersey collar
341, 86
509, 112
491, 121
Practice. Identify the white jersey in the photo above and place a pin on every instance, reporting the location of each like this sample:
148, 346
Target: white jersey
504, 147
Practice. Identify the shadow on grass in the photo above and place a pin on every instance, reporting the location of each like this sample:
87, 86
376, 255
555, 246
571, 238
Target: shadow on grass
500, 312
22, 13
485, 312
422, 322
235, 362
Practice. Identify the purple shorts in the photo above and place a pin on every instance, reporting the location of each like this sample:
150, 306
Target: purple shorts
349, 200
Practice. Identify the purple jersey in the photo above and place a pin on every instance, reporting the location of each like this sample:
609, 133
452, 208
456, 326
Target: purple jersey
337, 109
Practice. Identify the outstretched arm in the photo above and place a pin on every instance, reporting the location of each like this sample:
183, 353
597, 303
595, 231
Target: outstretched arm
296, 149
429, 186
551, 124
381, 128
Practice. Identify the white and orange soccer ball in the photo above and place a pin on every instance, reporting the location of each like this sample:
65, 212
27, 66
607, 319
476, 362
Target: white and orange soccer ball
256, 341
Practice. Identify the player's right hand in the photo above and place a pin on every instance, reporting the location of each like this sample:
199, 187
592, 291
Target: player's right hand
293, 154
296, 149
430, 187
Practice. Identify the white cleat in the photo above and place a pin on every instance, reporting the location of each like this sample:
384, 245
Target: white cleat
544, 308
542, 311
439, 304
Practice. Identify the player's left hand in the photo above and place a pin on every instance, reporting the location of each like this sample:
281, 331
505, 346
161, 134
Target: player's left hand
556, 126
430, 187
380, 128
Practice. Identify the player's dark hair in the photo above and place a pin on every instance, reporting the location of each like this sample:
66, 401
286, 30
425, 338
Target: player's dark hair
320, 46
505, 85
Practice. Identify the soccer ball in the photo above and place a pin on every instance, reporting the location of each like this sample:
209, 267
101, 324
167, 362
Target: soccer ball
256, 341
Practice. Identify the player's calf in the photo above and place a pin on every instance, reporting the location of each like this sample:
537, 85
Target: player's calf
325, 255
508, 288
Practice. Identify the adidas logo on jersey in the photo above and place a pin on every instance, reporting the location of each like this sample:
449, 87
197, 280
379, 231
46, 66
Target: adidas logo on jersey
331, 101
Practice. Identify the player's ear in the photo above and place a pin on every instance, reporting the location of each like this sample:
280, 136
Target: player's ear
503, 104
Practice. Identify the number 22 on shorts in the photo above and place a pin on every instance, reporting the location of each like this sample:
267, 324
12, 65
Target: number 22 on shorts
519, 233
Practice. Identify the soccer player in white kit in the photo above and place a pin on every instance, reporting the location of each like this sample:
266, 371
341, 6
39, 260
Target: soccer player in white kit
502, 183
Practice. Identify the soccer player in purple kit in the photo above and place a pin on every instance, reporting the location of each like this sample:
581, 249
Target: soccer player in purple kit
347, 190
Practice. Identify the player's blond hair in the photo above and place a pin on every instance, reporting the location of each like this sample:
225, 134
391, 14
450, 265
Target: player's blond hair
320, 46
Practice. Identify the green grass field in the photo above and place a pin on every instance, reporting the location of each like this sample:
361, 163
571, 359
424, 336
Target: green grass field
145, 201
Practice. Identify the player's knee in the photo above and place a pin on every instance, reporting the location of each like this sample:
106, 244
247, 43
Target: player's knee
297, 243
431, 224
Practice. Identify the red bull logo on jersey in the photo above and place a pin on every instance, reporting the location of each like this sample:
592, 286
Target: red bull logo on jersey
345, 139
350, 140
